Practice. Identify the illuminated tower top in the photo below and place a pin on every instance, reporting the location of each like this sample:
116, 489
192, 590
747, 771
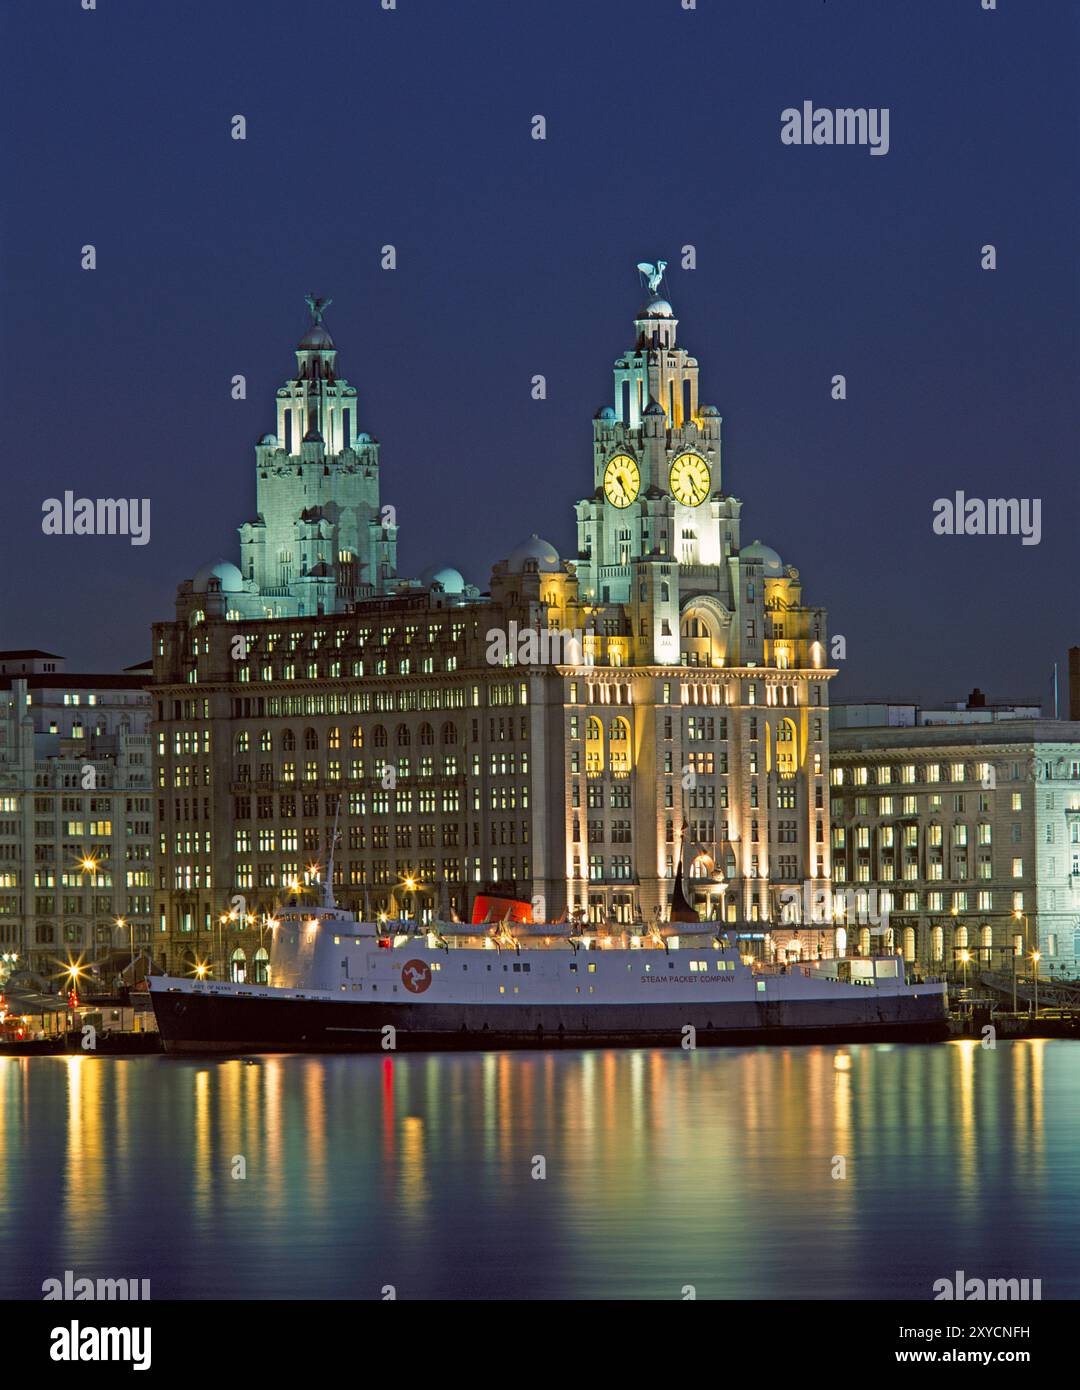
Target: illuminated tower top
318, 541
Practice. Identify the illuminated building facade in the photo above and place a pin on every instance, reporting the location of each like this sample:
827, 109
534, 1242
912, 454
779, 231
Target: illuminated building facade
76, 814
553, 740
965, 828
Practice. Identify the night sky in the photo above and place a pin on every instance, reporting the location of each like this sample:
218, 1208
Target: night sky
516, 257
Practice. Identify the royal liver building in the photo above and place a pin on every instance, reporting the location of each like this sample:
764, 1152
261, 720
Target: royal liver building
710, 648
564, 739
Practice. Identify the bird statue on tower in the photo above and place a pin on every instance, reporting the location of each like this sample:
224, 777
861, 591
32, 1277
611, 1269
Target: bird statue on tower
317, 306
653, 274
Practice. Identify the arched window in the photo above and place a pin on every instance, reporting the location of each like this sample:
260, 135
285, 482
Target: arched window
378, 736
261, 967
619, 736
311, 740
787, 757
243, 743
402, 737
594, 745
288, 741
265, 741
427, 735
449, 733
333, 738
238, 967
357, 736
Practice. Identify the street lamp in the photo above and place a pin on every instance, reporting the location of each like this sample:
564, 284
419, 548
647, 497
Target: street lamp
1019, 917
120, 923
1035, 963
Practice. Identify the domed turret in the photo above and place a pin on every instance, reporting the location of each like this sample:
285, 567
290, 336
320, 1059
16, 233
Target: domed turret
543, 552
451, 580
316, 339
230, 578
656, 308
771, 564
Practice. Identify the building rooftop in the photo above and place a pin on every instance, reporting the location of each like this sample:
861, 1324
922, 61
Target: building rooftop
67, 680
854, 738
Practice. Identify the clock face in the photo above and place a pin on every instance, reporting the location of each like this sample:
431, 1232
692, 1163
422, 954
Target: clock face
621, 480
690, 479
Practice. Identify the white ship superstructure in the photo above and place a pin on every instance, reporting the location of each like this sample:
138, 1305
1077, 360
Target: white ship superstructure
338, 983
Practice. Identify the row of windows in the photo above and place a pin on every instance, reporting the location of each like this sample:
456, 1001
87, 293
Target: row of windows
887, 836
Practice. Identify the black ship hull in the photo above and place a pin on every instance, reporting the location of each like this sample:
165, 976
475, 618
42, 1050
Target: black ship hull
227, 1023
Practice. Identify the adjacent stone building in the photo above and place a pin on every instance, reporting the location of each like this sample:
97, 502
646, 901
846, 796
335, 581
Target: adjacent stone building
964, 825
76, 813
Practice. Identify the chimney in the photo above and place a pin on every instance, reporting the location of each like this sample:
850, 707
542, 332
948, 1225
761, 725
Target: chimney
1074, 682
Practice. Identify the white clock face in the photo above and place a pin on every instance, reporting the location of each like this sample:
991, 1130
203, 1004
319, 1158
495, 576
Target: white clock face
690, 479
622, 480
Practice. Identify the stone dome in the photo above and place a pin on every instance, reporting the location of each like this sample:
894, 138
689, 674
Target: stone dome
452, 580
316, 339
270, 439
543, 552
606, 412
772, 566
362, 438
232, 581
654, 408
656, 308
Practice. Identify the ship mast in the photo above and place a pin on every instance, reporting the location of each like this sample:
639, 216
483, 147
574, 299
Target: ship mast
328, 886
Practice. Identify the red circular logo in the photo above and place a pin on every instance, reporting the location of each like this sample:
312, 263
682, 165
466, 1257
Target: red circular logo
416, 976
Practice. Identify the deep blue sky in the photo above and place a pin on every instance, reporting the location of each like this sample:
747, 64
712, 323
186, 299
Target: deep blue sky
517, 257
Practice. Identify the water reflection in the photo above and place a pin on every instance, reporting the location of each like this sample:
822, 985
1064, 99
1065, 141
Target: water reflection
858, 1172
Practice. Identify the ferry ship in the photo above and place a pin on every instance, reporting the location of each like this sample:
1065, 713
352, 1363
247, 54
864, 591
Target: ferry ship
343, 985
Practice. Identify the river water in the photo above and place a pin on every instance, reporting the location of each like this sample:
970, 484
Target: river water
853, 1172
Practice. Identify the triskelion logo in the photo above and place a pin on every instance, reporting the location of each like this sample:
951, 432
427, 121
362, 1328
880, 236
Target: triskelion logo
416, 976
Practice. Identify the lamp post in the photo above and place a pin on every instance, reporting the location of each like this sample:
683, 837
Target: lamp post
1018, 916
1035, 963
223, 921
121, 923
88, 865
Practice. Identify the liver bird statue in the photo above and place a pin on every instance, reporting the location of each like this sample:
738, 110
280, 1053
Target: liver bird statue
653, 274
317, 306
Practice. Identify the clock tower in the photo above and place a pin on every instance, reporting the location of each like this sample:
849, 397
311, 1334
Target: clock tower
658, 503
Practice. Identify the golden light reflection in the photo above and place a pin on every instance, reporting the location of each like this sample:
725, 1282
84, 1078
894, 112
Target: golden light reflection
85, 1200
